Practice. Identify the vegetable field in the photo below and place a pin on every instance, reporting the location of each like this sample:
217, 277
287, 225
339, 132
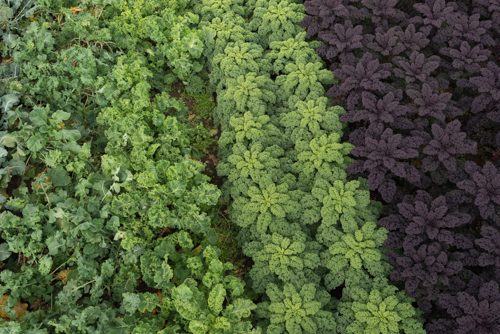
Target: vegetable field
249, 166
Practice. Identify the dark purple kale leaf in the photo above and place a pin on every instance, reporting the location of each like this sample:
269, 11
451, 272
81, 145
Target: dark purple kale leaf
386, 109
386, 42
411, 38
488, 84
474, 313
432, 218
446, 145
425, 268
417, 67
469, 28
321, 14
344, 38
383, 9
428, 102
385, 152
467, 58
434, 11
367, 74
489, 246
484, 186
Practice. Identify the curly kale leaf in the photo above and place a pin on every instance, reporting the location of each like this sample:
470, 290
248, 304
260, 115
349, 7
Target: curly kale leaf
342, 200
378, 309
286, 257
276, 20
355, 250
263, 203
297, 311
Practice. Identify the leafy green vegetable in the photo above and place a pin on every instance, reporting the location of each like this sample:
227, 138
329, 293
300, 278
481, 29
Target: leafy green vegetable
379, 309
105, 224
296, 311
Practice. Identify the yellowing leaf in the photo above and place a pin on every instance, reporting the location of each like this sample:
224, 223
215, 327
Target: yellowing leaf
20, 309
39, 185
75, 10
63, 275
197, 250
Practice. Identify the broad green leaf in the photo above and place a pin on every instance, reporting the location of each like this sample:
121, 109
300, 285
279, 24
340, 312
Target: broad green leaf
4, 251
59, 177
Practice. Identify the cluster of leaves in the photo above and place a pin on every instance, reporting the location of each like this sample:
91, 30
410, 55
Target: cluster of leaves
420, 83
310, 231
13, 14
105, 215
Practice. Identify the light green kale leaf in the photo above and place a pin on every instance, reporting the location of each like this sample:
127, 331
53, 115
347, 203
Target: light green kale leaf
263, 203
314, 115
247, 92
276, 20
303, 81
253, 162
248, 126
378, 308
238, 59
341, 200
223, 29
354, 250
321, 152
286, 257
211, 9
292, 50
296, 311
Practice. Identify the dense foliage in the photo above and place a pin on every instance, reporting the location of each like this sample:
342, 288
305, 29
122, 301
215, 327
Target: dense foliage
310, 232
105, 219
346, 199
420, 84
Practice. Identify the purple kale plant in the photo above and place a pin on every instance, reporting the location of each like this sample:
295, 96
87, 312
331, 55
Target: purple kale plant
474, 312
446, 145
386, 154
427, 218
427, 102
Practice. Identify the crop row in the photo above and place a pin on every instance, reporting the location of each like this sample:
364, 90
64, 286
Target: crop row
420, 84
104, 221
311, 232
